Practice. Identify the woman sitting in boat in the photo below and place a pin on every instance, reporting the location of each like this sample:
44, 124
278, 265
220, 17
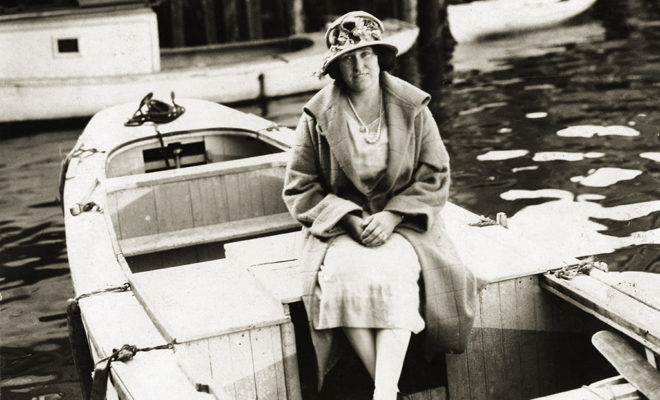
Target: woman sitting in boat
366, 179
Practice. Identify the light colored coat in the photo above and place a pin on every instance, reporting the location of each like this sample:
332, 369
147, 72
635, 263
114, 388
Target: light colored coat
319, 191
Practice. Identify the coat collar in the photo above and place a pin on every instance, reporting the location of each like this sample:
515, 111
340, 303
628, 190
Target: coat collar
402, 102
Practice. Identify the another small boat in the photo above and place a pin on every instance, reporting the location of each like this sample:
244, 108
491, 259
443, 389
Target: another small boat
73, 63
184, 262
481, 19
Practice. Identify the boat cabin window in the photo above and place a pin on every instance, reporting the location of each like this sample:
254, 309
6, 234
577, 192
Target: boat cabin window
69, 45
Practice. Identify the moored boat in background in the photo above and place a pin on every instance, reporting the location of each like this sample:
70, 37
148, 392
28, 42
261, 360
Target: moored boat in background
481, 19
83, 60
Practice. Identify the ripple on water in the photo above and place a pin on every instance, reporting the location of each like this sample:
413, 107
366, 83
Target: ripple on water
577, 226
655, 156
603, 177
564, 156
588, 131
498, 155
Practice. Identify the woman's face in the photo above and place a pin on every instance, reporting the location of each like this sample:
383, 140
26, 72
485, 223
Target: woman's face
359, 69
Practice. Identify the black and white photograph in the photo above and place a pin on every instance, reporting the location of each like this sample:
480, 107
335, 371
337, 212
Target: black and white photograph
329, 199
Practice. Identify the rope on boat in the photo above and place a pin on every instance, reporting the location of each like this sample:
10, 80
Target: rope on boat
80, 208
156, 111
64, 166
500, 219
584, 267
82, 152
123, 288
273, 127
123, 354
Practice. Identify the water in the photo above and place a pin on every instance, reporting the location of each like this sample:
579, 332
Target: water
511, 112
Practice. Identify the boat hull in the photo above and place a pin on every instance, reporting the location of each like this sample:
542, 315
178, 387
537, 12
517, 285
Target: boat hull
480, 19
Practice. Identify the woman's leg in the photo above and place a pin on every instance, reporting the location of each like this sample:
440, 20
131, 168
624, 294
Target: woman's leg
391, 347
363, 341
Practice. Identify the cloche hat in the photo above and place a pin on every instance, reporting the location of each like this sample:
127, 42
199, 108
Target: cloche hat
352, 31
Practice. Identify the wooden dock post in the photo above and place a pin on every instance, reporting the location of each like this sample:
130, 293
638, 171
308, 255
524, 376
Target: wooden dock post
294, 11
431, 20
230, 31
253, 13
210, 31
176, 13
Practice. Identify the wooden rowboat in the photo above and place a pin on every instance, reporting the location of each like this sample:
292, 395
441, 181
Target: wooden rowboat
196, 267
81, 62
481, 19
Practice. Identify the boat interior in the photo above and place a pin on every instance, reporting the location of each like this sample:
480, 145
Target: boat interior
186, 208
175, 203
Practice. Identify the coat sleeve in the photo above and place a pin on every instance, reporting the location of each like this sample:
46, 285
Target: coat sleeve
421, 200
304, 194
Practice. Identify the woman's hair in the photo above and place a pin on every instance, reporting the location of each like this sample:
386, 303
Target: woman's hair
386, 61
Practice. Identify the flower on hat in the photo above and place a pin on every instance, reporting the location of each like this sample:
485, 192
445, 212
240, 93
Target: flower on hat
352, 31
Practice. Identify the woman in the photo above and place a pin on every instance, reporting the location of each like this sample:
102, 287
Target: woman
367, 179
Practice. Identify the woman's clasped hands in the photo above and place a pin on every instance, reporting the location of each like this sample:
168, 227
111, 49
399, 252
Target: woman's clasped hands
373, 230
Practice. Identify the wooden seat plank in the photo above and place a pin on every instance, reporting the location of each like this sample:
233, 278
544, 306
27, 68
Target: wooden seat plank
621, 311
485, 250
206, 299
221, 232
628, 363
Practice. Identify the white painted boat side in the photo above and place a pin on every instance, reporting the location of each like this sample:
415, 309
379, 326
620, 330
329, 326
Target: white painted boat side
117, 318
478, 19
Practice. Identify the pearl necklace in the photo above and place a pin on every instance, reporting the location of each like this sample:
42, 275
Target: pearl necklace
369, 136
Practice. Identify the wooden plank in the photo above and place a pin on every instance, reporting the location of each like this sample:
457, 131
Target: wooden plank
194, 358
491, 321
628, 363
289, 353
475, 357
625, 313
207, 234
232, 190
137, 212
511, 338
271, 183
165, 378
282, 279
209, 202
173, 206
546, 349
268, 367
207, 299
211, 34
439, 393
458, 376
251, 182
111, 208
242, 365
222, 371
641, 286
525, 304
275, 160
277, 344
